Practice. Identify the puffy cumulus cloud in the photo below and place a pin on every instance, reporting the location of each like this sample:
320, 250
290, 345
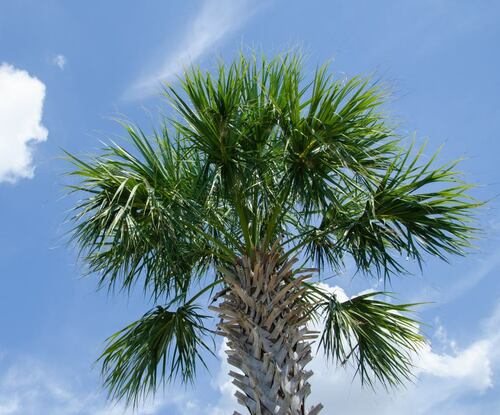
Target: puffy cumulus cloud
472, 366
443, 380
227, 401
21, 106
452, 382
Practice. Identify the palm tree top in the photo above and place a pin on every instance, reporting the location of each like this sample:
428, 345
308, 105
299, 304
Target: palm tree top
259, 157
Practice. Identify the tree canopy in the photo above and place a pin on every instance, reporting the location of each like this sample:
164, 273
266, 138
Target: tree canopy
258, 154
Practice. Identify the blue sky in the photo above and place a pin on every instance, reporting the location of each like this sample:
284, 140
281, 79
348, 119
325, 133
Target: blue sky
68, 68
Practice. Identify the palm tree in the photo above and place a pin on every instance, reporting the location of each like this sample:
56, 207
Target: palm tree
259, 183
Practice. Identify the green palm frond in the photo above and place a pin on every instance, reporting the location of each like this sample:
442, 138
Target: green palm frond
259, 155
377, 338
159, 347
407, 214
412, 209
143, 216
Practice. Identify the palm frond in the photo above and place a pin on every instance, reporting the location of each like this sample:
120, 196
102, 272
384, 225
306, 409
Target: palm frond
142, 216
414, 208
377, 338
259, 156
159, 347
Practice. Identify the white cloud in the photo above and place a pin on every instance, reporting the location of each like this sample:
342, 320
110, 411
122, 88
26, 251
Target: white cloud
31, 388
21, 106
60, 61
227, 401
472, 366
443, 380
215, 20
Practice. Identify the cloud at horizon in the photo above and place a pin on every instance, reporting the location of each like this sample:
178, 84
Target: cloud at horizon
443, 379
445, 374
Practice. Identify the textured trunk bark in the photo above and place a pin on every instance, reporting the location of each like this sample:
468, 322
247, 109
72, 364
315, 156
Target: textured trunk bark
264, 322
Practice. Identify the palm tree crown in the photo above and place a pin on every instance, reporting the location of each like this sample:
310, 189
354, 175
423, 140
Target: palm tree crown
263, 167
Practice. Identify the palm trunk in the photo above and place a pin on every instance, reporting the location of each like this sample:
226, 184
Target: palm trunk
264, 320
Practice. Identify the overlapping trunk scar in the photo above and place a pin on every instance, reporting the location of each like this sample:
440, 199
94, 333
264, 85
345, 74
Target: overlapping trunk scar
263, 316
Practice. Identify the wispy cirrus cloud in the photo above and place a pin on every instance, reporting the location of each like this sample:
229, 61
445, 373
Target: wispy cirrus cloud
483, 266
214, 21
